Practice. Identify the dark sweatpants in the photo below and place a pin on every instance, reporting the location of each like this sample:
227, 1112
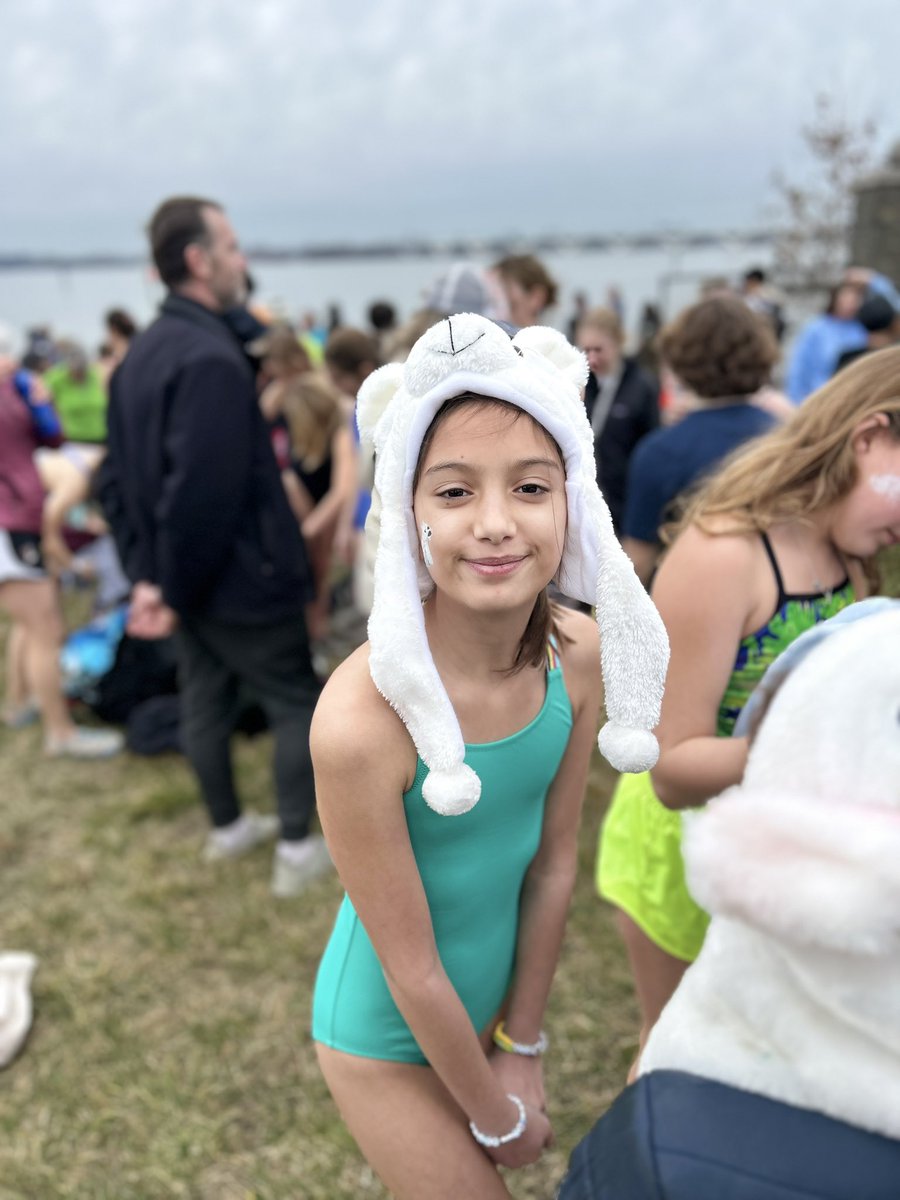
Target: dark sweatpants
273, 662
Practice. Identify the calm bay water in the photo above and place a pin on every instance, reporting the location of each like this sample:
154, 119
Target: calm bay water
72, 302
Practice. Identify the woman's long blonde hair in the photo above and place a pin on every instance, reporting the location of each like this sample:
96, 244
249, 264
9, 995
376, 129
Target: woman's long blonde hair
314, 413
805, 465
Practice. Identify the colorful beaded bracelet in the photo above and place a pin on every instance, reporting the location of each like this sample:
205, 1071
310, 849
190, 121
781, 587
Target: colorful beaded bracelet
528, 1049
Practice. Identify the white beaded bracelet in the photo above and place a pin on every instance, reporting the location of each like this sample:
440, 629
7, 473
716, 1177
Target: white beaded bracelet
490, 1140
526, 1049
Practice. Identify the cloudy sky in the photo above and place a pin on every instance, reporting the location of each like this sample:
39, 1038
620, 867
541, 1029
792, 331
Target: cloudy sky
322, 120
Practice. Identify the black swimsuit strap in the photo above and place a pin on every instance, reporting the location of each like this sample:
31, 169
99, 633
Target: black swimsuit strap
776, 570
783, 595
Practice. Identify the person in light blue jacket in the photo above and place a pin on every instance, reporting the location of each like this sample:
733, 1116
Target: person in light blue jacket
822, 342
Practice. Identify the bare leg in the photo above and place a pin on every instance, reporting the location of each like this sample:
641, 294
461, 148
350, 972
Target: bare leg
34, 605
318, 609
18, 692
410, 1129
656, 976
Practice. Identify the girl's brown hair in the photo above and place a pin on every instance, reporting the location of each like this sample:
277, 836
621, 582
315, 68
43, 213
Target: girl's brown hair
720, 348
281, 347
805, 465
529, 272
350, 349
314, 414
543, 622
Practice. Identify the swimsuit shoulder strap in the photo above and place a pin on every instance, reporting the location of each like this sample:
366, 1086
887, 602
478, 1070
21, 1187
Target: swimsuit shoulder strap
553, 660
776, 570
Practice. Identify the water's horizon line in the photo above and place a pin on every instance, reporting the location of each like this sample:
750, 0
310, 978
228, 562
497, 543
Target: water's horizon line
456, 247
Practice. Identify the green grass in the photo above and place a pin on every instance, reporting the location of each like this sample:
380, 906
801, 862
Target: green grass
170, 1055
890, 570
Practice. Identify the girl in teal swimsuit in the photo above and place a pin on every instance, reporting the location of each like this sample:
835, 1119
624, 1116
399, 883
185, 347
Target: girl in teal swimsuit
452, 922
782, 538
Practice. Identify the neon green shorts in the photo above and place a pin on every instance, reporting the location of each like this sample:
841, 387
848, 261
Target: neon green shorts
641, 871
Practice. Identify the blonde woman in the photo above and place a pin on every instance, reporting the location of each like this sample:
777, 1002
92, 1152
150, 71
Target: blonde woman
321, 483
784, 536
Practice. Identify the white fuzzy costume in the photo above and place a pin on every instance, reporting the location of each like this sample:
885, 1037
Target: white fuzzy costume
796, 992
539, 372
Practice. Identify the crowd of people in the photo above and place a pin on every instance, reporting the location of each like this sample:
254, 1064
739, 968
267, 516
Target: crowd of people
236, 480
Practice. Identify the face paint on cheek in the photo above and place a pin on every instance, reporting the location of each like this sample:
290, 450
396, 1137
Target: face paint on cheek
887, 486
426, 548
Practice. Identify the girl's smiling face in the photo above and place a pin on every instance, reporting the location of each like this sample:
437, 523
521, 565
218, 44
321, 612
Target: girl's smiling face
491, 486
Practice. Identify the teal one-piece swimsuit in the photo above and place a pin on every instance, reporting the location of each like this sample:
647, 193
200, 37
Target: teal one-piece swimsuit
472, 868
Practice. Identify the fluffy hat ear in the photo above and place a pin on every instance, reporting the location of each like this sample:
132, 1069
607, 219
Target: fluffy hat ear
553, 346
375, 395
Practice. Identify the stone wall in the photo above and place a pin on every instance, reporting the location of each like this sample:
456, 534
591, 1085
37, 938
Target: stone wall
875, 239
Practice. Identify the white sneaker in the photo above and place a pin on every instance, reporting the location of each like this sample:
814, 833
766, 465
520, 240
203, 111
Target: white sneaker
248, 831
298, 864
85, 743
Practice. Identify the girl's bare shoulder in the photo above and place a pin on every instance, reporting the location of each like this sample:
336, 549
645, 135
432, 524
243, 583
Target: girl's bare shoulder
579, 646
714, 581
578, 629
352, 718
722, 552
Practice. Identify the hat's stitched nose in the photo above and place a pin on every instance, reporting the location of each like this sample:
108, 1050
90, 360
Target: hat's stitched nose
454, 349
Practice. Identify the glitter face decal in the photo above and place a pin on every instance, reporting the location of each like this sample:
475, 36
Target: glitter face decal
886, 485
426, 548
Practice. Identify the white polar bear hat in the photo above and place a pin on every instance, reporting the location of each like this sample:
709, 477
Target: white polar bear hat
539, 372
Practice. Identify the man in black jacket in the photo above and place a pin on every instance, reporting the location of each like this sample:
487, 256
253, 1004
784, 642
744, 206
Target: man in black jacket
622, 403
195, 499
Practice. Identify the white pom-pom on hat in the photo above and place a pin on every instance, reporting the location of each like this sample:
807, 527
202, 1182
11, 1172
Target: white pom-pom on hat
453, 792
628, 749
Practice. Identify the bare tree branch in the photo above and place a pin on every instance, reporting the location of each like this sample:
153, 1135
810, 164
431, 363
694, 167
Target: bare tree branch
813, 224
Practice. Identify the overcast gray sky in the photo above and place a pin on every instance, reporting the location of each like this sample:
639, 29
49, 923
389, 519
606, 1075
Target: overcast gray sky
356, 119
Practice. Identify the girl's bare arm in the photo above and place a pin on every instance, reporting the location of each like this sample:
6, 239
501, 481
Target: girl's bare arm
710, 591
359, 785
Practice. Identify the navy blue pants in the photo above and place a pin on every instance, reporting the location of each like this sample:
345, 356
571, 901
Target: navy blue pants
673, 1136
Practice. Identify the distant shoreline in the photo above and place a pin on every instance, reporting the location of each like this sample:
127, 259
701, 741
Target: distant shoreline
415, 248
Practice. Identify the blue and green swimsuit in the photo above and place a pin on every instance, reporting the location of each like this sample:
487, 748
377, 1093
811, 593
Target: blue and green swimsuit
639, 866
